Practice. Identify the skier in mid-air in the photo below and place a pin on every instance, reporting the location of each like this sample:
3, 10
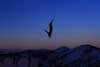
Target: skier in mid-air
50, 29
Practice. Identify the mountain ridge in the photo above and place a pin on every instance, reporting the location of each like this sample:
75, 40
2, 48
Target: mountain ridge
81, 56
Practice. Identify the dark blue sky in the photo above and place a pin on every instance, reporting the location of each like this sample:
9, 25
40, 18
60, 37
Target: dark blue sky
75, 22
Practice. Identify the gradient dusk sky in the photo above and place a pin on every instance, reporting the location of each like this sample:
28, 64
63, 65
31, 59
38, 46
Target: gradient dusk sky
22, 23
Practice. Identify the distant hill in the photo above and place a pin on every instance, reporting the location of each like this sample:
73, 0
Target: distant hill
82, 56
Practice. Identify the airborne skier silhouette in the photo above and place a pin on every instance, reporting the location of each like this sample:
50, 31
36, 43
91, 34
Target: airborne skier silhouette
50, 29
